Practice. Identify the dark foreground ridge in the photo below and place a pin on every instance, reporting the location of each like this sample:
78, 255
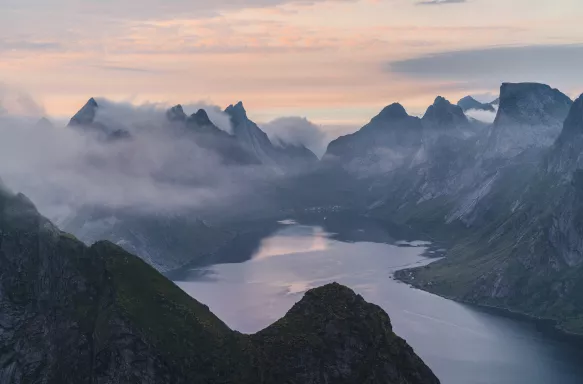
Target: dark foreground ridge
76, 314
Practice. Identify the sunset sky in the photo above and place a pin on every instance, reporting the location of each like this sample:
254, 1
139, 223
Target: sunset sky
332, 61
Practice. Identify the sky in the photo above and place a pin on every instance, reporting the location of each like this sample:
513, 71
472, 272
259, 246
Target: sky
334, 62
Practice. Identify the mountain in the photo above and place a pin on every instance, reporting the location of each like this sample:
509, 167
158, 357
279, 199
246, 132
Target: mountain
445, 114
467, 103
566, 155
208, 136
167, 240
85, 120
444, 119
44, 123
78, 314
463, 180
389, 141
526, 256
86, 115
530, 115
279, 158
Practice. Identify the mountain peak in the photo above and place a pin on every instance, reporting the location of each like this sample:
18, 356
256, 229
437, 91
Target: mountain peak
443, 112
237, 112
201, 118
393, 112
468, 102
176, 113
86, 114
43, 122
440, 100
321, 316
92, 102
532, 104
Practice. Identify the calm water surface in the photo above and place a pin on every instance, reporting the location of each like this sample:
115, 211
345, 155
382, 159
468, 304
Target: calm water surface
463, 345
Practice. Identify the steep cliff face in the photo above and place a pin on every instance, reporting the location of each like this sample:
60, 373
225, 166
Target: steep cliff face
85, 120
530, 115
76, 314
282, 159
528, 254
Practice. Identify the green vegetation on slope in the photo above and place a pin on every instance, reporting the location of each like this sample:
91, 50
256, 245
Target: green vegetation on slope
78, 314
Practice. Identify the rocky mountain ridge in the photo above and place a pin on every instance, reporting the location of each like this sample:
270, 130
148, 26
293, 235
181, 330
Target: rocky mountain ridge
504, 196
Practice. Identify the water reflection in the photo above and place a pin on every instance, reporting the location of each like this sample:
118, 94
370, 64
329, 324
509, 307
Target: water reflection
295, 239
461, 344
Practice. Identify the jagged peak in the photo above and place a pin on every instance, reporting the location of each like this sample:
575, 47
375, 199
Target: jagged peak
237, 112
92, 102
86, 114
440, 100
201, 118
444, 112
393, 112
176, 113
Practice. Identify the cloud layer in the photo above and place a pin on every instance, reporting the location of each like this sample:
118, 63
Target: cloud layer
160, 168
554, 64
296, 131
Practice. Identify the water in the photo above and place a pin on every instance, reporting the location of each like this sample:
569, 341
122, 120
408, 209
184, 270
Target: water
462, 344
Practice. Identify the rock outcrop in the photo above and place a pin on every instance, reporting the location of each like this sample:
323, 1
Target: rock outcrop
530, 116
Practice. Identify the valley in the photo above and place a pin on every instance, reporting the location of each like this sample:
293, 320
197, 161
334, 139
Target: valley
362, 254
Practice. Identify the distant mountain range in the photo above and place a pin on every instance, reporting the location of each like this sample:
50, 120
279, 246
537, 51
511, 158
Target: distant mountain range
505, 200
247, 145
504, 197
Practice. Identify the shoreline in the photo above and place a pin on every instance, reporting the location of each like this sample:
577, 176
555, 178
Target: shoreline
547, 327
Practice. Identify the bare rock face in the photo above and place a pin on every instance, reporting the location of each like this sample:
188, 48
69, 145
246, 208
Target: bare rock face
279, 158
76, 314
527, 254
530, 115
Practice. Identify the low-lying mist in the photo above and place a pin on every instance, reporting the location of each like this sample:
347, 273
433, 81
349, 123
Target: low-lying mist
158, 168
481, 115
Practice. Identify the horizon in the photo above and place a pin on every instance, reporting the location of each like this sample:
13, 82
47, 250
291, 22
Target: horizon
280, 59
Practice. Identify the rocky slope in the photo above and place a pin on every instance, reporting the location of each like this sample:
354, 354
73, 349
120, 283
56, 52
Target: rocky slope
76, 314
507, 201
527, 255
280, 158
